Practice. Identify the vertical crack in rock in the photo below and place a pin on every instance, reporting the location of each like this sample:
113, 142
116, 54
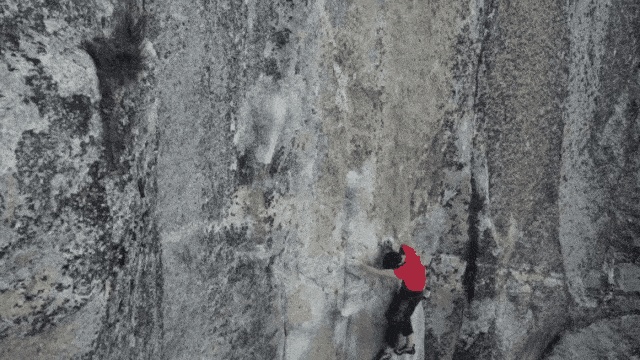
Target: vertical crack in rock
550, 346
470, 272
135, 291
280, 302
482, 39
476, 201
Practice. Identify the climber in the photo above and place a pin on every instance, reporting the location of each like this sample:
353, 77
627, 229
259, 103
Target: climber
406, 266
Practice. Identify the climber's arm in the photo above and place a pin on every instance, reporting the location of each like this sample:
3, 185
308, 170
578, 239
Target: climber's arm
386, 272
371, 270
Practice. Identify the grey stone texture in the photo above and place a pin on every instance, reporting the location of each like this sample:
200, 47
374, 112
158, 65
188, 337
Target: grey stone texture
199, 179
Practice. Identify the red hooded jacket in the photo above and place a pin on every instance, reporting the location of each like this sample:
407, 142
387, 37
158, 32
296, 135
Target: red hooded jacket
412, 272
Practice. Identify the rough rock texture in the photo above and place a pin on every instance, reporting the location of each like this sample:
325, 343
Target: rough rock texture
211, 198
617, 338
79, 247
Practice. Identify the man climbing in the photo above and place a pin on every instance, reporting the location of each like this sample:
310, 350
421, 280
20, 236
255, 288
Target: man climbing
406, 266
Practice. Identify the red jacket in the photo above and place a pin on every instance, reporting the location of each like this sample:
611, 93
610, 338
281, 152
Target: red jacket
412, 272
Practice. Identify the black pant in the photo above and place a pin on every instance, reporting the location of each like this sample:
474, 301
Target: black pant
399, 314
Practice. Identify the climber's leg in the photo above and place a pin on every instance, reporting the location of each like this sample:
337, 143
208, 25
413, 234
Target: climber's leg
390, 336
412, 300
400, 341
410, 341
405, 331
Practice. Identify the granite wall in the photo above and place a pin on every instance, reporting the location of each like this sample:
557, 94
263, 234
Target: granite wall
200, 179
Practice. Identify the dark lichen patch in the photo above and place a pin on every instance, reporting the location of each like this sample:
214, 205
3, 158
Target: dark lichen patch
44, 89
480, 346
78, 110
242, 273
115, 134
33, 61
91, 202
71, 224
36, 164
53, 5
3, 208
9, 39
270, 67
40, 157
69, 115
41, 320
26, 15
37, 308
281, 38
361, 150
246, 167
234, 236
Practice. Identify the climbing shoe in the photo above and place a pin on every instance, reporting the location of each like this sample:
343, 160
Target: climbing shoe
384, 354
406, 350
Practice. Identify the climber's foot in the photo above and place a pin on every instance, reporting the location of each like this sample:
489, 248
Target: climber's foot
406, 350
384, 354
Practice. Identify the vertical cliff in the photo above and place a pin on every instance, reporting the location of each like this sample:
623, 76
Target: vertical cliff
79, 252
185, 179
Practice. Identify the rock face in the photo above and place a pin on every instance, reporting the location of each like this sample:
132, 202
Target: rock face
202, 186
617, 338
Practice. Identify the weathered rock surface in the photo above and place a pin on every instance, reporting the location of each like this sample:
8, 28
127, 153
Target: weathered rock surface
617, 338
79, 251
210, 205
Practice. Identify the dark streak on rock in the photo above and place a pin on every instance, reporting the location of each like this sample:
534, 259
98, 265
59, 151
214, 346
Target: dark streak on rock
271, 68
245, 168
33, 61
469, 278
268, 196
9, 40
481, 348
281, 38
141, 183
278, 163
118, 60
550, 346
